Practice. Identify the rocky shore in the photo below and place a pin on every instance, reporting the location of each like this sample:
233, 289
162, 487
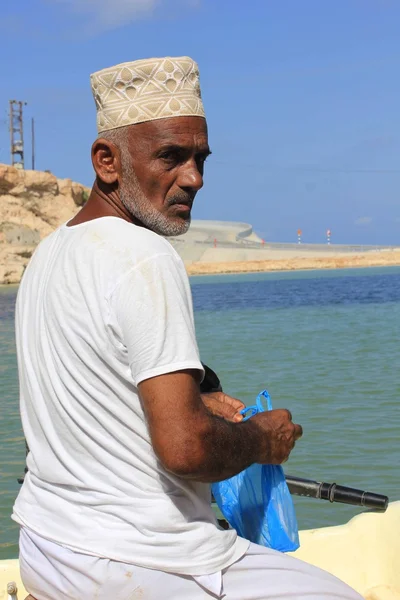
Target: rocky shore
32, 205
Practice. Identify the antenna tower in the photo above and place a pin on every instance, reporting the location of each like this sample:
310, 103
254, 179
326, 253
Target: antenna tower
17, 133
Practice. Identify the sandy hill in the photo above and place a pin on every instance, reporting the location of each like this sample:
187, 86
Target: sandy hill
32, 205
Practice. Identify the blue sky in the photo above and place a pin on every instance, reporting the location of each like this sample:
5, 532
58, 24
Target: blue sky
302, 99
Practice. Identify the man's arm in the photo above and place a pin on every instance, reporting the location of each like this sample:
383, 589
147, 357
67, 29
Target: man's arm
194, 444
154, 320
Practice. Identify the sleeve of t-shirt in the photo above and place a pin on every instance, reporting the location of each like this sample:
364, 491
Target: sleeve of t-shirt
152, 305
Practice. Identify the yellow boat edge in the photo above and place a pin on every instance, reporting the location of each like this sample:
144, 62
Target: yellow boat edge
365, 552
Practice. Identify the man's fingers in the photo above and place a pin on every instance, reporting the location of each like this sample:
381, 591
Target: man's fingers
237, 404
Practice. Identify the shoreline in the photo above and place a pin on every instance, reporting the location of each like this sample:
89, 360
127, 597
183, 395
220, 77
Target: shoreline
382, 258
367, 259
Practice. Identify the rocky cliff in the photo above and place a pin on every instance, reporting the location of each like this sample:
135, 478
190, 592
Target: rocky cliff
32, 205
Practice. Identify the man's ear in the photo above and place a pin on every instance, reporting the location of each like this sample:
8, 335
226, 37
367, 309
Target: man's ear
106, 160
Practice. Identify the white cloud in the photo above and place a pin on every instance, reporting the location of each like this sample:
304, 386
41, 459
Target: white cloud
363, 221
102, 15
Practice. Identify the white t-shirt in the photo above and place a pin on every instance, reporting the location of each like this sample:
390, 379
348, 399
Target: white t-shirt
101, 307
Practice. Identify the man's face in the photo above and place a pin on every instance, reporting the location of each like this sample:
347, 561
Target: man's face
163, 171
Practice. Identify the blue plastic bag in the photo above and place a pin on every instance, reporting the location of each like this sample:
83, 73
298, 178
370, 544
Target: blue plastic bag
257, 502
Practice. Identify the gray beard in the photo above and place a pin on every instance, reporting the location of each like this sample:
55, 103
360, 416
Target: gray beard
138, 205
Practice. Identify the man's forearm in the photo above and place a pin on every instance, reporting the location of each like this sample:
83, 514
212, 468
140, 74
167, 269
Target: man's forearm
189, 440
226, 449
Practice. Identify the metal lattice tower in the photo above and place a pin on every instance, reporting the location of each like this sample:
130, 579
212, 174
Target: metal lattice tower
17, 133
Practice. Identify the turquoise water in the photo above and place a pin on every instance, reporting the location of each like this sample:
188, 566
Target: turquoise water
325, 344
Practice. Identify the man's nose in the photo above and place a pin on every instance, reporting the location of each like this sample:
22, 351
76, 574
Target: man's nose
190, 176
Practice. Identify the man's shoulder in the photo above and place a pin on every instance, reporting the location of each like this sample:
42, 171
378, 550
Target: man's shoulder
126, 237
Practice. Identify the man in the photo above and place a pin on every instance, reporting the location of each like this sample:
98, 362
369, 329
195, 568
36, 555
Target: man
123, 446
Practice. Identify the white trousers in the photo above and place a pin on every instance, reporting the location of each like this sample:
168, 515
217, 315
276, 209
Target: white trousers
52, 572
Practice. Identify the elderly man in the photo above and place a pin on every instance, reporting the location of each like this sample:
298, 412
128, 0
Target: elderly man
123, 445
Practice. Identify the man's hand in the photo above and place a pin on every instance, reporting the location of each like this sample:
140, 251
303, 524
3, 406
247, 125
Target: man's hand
279, 435
279, 432
222, 405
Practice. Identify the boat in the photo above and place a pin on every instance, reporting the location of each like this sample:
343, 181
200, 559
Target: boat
365, 553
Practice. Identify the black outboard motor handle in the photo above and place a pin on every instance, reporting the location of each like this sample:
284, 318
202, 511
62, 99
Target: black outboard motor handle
336, 493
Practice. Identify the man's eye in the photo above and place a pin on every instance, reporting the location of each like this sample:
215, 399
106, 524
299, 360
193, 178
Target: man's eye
169, 156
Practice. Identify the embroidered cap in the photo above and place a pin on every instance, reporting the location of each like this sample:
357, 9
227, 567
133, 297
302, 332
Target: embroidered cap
146, 90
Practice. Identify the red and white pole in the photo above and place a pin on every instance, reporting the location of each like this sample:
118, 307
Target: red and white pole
299, 233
